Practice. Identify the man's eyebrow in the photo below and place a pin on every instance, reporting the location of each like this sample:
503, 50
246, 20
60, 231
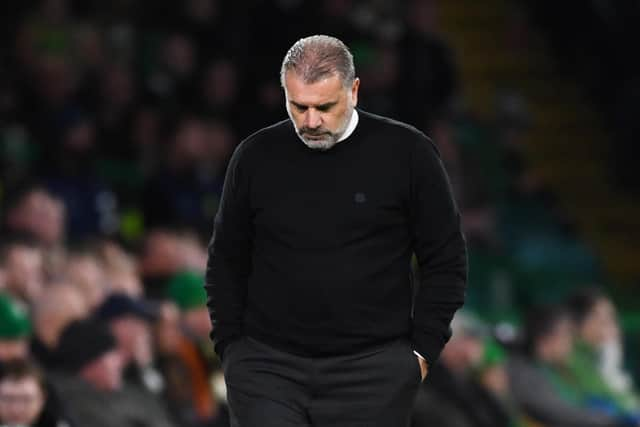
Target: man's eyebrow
326, 105
319, 107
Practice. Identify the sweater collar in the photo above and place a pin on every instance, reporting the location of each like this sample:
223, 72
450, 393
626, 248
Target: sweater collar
353, 122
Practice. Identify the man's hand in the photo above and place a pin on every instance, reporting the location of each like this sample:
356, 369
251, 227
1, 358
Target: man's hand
424, 367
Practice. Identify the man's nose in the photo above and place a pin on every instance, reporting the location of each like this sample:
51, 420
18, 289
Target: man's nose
312, 119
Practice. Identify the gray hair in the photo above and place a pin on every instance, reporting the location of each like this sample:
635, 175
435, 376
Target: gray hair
316, 57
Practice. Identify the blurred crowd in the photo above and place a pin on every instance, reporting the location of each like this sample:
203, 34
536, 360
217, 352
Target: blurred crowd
595, 40
117, 120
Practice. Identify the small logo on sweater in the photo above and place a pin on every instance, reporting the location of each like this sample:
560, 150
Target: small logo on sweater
359, 197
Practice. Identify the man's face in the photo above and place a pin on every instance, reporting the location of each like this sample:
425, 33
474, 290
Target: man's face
557, 345
24, 272
21, 401
13, 349
134, 339
320, 111
600, 324
105, 373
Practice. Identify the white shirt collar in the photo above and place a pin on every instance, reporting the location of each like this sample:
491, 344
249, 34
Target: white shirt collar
353, 122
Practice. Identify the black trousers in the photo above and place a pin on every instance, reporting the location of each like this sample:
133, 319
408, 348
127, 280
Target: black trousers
267, 387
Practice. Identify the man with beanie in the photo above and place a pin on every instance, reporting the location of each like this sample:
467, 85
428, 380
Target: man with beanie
314, 310
89, 378
129, 321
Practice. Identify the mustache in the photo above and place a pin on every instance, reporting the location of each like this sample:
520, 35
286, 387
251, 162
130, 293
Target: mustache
314, 132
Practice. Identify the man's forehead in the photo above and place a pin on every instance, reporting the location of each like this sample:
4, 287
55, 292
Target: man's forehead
328, 89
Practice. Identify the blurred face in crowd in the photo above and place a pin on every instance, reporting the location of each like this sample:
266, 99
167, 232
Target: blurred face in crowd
40, 214
197, 321
600, 325
320, 111
85, 272
164, 254
105, 373
167, 329
190, 143
24, 272
134, 339
21, 401
50, 319
556, 346
220, 83
495, 379
462, 352
13, 349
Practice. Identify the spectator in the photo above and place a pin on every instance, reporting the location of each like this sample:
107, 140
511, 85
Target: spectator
84, 271
185, 192
598, 331
452, 397
15, 329
34, 211
190, 365
23, 265
538, 379
50, 320
129, 321
166, 253
492, 375
90, 378
25, 400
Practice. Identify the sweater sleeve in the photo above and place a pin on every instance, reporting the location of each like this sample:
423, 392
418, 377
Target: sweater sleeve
229, 255
440, 249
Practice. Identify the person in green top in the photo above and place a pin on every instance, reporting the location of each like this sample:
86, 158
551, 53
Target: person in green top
597, 329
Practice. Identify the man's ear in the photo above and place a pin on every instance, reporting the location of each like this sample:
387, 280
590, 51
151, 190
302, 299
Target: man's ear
354, 91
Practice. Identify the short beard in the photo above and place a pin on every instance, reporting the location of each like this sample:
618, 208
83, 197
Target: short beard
329, 140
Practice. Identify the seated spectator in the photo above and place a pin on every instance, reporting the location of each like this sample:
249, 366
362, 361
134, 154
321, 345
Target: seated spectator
89, 377
165, 253
15, 328
50, 320
84, 271
187, 358
492, 375
34, 211
25, 400
120, 269
22, 261
451, 396
540, 380
129, 321
597, 330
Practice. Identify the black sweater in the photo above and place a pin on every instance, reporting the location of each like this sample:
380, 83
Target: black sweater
311, 249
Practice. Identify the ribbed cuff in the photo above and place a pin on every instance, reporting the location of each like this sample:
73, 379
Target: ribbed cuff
427, 346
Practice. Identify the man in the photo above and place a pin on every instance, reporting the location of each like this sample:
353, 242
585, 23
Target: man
89, 377
23, 264
453, 397
49, 320
129, 320
308, 274
541, 382
601, 376
26, 399
22, 394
